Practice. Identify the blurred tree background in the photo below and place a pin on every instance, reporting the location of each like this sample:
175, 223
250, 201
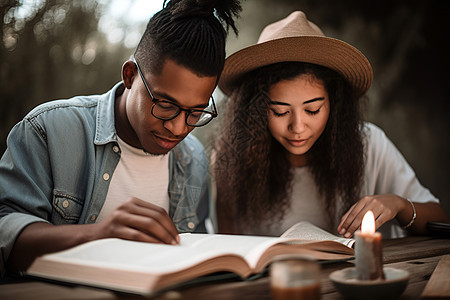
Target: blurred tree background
58, 51
55, 51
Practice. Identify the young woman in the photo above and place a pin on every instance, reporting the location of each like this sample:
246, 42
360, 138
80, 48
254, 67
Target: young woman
294, 146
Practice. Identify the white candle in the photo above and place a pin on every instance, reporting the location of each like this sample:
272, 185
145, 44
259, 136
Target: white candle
368, 254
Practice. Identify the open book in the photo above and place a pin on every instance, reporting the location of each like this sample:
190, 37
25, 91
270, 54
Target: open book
144, 268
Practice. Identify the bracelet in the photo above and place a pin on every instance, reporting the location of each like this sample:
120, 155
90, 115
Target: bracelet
413, 217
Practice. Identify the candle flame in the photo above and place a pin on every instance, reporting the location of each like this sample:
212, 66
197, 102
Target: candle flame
368, 223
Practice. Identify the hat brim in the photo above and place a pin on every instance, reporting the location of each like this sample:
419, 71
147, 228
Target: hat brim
328, 52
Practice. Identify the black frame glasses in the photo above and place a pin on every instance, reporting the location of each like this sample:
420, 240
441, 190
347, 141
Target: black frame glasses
166, 110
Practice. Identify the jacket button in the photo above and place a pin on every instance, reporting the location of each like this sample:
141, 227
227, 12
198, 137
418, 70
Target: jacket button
106, 176
116, 149
191, 225
65, 204
93, 217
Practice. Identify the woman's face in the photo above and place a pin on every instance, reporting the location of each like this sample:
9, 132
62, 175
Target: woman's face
298, 113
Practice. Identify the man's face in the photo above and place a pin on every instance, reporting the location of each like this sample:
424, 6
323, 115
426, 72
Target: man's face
175, 84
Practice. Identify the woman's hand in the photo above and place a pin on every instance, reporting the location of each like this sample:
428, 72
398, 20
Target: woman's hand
384, 207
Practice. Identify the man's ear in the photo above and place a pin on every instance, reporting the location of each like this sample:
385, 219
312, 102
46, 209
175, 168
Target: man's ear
129, 72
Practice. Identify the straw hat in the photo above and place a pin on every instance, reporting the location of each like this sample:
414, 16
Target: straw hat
294, 38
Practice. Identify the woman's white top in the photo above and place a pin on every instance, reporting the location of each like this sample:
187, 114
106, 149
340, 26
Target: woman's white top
386, 172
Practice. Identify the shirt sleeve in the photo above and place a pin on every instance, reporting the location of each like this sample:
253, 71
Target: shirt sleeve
388, 172
25, 185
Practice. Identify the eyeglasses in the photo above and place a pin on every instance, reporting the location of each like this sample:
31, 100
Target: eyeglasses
166, 110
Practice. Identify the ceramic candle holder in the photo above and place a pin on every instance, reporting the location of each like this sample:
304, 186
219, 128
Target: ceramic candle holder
391, 287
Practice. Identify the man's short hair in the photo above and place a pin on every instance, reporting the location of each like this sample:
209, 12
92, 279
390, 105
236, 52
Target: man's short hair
192, 33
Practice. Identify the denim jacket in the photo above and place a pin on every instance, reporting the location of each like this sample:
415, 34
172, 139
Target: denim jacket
59, 162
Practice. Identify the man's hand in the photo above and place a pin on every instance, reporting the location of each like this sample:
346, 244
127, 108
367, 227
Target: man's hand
135, 220
138, 220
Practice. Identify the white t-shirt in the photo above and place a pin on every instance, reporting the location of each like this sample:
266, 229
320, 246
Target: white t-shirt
138, 174
386, 172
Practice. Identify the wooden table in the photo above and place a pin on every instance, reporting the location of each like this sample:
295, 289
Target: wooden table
418, 255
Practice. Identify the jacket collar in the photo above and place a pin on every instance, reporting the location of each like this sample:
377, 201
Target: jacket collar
105, 129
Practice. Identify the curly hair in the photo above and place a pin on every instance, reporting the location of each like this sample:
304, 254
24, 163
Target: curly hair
251, 167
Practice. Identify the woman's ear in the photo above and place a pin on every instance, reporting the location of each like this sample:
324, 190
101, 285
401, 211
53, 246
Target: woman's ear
129, 71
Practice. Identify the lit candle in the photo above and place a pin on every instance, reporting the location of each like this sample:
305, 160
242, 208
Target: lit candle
368, 255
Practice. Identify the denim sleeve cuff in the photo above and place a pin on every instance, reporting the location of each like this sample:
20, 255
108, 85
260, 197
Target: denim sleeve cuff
11, 226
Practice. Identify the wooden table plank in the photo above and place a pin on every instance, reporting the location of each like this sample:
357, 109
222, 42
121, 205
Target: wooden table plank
48, 291
439, 284
414, 248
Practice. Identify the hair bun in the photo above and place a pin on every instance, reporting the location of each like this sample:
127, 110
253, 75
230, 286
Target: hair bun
225, 10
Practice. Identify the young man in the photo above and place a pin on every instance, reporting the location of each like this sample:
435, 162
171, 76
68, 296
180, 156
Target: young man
119, 164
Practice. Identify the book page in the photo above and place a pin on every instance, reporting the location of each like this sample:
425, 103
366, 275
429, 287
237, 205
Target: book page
308, 231
249, 247
161, 258
133, 256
